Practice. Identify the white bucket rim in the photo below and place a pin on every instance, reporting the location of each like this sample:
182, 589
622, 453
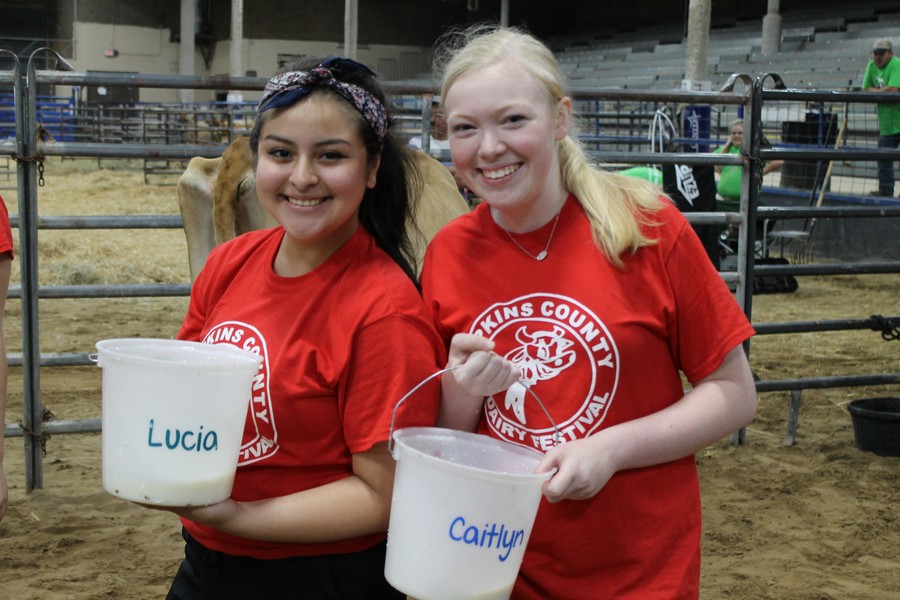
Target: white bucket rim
116, 349
468, 470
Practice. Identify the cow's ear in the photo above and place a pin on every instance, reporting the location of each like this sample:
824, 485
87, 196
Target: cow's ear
373, 172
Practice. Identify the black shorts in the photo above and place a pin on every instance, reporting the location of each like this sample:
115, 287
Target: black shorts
208, 574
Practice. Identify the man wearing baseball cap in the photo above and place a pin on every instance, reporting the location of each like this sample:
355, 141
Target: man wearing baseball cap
883, 75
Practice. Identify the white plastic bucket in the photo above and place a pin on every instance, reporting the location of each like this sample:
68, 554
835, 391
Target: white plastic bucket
173, 418
462, 512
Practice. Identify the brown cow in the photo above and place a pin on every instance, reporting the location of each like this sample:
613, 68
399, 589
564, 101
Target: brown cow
217, 199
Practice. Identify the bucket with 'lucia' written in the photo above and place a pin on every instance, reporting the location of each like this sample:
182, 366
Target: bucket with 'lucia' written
173, 418
462, 511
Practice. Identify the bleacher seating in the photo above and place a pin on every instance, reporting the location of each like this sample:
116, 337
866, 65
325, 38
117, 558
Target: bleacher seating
820, 49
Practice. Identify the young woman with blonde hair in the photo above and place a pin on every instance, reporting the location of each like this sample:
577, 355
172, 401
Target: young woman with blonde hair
592, 291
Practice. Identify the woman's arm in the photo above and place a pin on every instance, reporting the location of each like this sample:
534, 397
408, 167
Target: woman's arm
720, 404
351, 507
772, 165
5, 261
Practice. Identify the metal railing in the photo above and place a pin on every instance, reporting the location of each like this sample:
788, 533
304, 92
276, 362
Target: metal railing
30, 151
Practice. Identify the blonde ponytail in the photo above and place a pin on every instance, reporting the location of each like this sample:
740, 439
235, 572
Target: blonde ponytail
616, 205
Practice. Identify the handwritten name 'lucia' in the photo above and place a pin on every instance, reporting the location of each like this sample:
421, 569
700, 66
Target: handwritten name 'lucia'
188, 440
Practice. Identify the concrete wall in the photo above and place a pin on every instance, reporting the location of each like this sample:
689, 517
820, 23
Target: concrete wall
140, 50
150, 50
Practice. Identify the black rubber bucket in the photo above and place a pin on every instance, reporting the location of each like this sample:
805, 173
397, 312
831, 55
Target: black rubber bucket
876, 425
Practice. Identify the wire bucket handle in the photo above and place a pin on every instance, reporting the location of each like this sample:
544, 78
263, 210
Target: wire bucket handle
557, 438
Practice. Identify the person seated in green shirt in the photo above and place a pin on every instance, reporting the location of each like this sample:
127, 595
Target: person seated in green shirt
729, 185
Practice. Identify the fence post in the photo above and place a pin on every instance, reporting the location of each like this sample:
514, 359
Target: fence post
26, 134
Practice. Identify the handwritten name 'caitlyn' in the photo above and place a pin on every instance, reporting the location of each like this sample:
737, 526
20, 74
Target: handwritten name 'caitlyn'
489, 536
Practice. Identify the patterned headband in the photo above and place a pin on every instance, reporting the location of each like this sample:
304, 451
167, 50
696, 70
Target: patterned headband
285, 89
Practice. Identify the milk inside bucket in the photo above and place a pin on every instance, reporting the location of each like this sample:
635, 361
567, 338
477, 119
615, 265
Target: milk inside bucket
462, 511
172, 419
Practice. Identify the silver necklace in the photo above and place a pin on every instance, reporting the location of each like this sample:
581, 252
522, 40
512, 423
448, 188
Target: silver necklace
543, 253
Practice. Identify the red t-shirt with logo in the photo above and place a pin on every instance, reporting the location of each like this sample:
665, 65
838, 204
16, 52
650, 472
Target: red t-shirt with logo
340, 345
599, 345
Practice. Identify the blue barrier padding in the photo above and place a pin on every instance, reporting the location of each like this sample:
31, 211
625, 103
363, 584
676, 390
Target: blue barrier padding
831, 196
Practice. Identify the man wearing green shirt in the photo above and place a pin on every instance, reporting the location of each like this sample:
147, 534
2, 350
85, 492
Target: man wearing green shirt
883, 75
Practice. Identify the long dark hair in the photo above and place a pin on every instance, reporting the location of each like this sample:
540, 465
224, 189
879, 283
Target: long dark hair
387, 208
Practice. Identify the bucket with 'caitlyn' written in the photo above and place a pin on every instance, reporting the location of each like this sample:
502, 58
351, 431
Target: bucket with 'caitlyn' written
462, 511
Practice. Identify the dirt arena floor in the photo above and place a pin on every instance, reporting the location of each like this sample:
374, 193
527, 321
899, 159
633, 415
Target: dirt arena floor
813, 521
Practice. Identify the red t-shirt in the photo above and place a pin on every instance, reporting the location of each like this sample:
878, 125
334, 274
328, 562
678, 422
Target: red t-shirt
340, 345
599, 346
6, 242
